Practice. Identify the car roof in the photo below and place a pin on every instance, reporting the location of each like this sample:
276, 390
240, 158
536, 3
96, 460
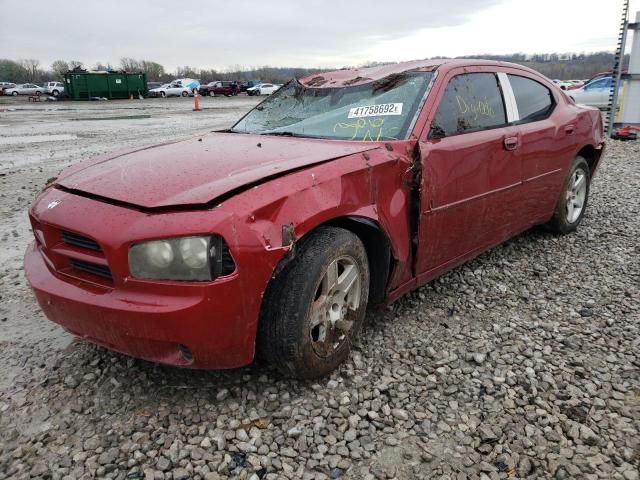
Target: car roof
358, 76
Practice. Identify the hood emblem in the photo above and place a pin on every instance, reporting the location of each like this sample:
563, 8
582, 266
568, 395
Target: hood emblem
53, 204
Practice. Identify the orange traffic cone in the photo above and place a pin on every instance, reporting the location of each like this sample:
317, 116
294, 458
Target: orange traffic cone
196, 101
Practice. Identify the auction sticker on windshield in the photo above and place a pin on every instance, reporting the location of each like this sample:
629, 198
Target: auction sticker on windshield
376, 110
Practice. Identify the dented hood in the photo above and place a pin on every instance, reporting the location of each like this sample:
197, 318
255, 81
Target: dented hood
199, 170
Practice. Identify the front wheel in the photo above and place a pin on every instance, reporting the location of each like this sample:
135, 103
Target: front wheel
573, 198
163, 94
212, 93
185, 94
15, 94
316, 305
55, 93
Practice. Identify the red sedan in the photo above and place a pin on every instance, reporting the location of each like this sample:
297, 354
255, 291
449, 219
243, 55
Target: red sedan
341, 190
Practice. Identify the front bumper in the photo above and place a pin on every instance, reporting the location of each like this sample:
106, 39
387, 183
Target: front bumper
153, 320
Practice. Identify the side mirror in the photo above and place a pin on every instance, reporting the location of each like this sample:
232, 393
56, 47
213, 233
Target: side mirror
436, 132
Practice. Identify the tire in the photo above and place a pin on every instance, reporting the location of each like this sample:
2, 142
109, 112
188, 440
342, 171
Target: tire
55, 93
185, 94
38, 93
163, 94
573, 199
212, 93
306, 325
15, 94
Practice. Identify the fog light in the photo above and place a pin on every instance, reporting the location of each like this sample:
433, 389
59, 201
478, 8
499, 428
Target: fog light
186, 353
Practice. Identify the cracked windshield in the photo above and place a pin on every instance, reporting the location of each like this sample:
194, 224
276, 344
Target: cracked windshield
382, 110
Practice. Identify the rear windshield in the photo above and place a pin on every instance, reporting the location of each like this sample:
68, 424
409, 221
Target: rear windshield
382, 110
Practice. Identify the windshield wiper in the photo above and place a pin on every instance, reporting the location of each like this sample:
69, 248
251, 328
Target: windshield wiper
283, 134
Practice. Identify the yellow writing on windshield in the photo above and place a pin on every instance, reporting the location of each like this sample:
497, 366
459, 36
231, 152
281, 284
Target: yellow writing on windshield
363, 129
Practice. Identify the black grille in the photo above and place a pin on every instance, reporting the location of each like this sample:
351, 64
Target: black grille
79, 241
92, 268
228, 265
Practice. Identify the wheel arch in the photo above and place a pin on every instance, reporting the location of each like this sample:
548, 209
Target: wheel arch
592, 155
376, 243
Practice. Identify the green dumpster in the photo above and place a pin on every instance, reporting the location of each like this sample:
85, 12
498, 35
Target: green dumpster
111, 85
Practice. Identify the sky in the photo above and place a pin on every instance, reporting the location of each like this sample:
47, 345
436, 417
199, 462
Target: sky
314, 33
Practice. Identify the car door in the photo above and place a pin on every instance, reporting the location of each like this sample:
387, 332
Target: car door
596, 93
174, 90
471, 172
547, 143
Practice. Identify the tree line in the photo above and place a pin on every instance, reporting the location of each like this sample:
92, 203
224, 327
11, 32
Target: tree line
554, 65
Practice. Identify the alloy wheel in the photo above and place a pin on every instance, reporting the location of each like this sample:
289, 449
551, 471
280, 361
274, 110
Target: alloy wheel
336, 301
576, 195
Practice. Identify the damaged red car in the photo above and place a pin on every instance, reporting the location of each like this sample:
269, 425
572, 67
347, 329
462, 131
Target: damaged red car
340, 191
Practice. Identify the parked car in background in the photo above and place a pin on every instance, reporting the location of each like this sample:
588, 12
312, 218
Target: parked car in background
54, 88
25, 89
160, 91
227, 88
182, 87
247, 85
5, 85
341, 190
263, 89
595, 93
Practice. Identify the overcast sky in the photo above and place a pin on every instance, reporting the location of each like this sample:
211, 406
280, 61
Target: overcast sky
312, 33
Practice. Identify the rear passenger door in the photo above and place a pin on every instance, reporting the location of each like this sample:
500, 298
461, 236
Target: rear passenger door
471, 174
547, 144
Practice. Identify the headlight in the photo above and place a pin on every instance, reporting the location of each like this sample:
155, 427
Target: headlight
196, 259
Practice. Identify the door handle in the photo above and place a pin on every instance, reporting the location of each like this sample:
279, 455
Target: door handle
511, 143
569, 129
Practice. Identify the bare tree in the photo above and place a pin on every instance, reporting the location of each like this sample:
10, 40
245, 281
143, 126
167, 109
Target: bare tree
59, 68
154, 70
130, 64
32, 67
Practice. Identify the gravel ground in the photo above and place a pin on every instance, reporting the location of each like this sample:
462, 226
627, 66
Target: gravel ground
520, 364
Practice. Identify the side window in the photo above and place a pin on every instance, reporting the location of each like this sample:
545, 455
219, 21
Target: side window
471, 101
602, 83
534, 100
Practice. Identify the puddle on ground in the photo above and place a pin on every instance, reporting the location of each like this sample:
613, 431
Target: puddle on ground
122, 117
24, 139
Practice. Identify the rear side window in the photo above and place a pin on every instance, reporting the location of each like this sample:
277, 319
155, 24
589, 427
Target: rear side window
471, 102
534, 100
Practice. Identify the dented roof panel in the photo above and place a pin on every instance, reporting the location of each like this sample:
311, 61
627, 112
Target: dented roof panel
360, 76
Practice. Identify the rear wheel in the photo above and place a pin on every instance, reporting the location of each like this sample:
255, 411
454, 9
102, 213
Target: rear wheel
212, 93
15, 94
573, 198
316, 305
185, 94
55, 93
